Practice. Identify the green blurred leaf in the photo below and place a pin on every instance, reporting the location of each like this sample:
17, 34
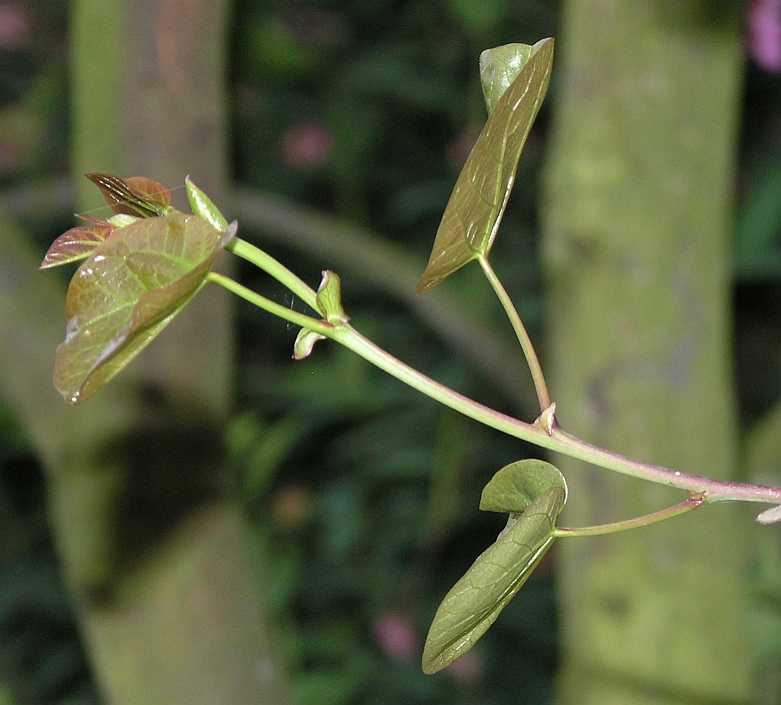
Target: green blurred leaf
758, 227
272, 49
475, 601
478, 18
480, 196
126, 293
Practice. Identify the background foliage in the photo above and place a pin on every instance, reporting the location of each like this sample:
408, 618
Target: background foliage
362, 496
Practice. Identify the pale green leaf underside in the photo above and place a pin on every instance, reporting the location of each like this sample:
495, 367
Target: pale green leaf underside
499, 67
480, 196
517, 485
475, 601
126, 293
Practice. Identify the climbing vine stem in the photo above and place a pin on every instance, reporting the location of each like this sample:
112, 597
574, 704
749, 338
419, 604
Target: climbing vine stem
704, 488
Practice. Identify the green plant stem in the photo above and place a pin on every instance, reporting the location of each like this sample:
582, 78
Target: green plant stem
707, 489
543, 396
245, 250
615, 527
299, 319
710, 490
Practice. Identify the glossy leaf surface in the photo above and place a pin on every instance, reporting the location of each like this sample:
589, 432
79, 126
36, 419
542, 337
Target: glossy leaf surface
480, 196
476, 600
499, 67
137, 195
77, 243
126, 293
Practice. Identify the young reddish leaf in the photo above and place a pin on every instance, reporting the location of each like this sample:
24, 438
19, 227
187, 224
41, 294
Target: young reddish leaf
149, 189
138, 195
126, 293
474, 211
77, 243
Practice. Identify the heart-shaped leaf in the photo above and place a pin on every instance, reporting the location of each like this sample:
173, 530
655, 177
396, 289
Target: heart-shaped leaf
475, 601
480, 196
138, 195
126, 293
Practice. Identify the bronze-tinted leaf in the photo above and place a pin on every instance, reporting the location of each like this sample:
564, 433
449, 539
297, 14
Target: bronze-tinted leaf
480, 196
138, 195
77, 243
126, 293
150, 190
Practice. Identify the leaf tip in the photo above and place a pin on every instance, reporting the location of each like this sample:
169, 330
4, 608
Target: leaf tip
305, 342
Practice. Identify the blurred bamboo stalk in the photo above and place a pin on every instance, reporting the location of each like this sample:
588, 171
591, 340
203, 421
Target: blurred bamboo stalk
155, 555
637, 224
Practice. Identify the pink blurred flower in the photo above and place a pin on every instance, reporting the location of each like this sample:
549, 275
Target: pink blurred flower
764, 33
14, 25
395, 635
306, 145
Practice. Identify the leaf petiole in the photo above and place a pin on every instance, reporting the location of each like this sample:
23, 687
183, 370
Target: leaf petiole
262, 260
540, 386
299, 319
707, 489
615, 527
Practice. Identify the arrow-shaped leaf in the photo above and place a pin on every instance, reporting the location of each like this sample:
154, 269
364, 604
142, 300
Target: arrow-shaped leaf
126, 293
475, 601
480, 196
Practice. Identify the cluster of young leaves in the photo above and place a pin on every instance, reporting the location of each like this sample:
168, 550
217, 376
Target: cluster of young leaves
141, 267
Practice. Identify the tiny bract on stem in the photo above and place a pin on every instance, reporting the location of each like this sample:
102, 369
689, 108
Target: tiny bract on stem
154, 259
